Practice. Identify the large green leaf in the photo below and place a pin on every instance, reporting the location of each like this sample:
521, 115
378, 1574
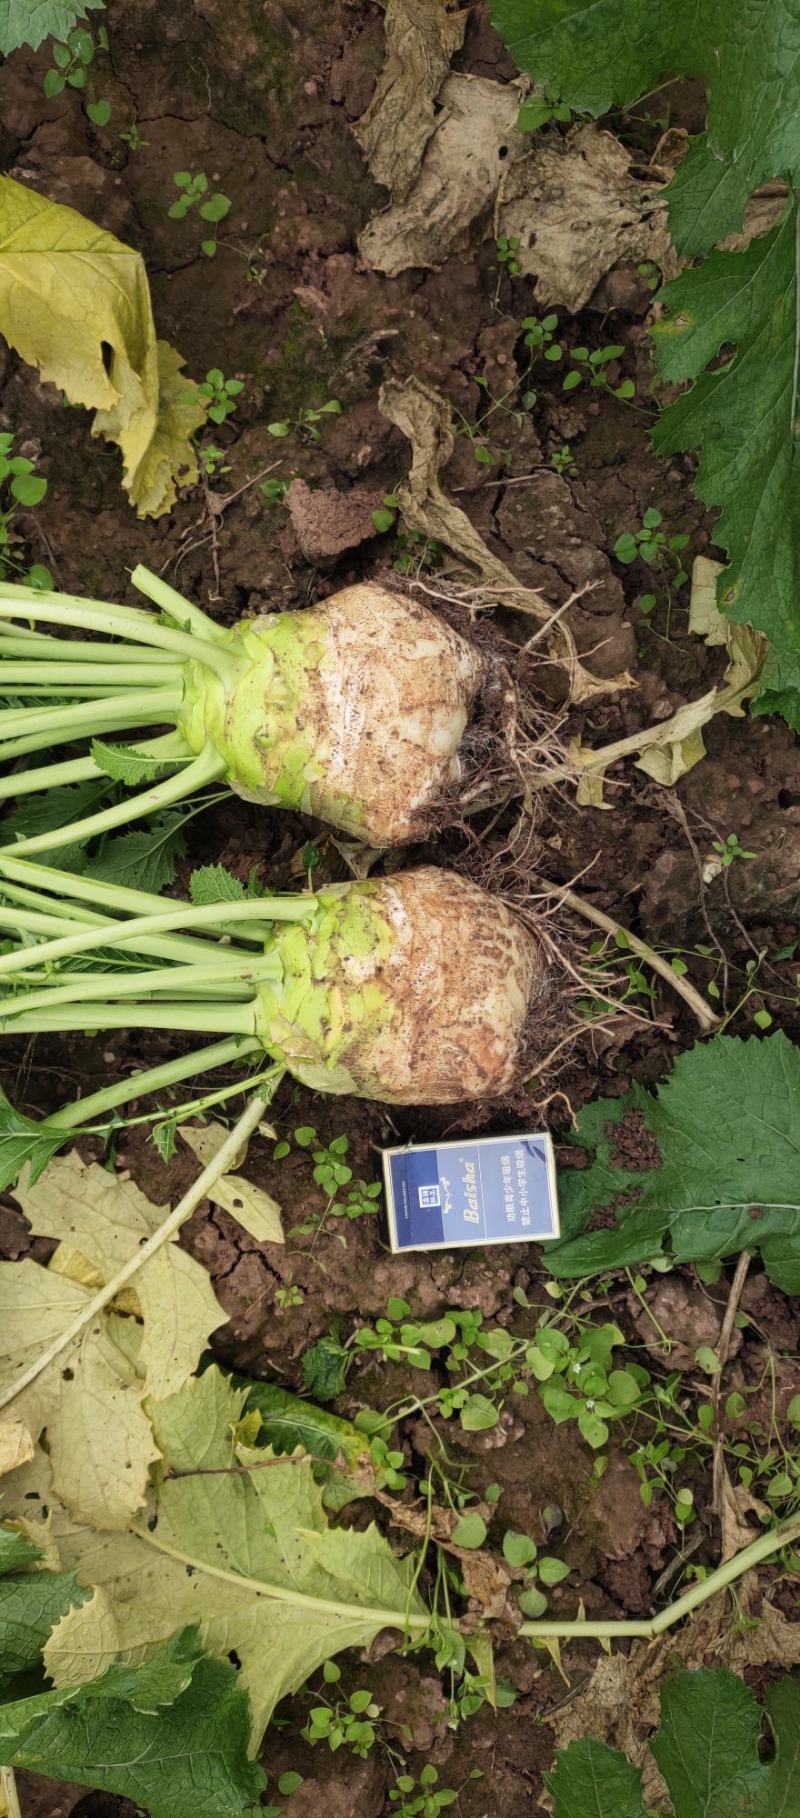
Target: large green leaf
707, 1747
594, 54
32, 1601
727, 1125
235, 1541
590, 1780
171, 1735
743, 416
24, 1139
30, 21
340, 1453
707, 1750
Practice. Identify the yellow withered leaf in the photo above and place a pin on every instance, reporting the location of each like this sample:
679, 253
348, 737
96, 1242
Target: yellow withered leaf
75, 302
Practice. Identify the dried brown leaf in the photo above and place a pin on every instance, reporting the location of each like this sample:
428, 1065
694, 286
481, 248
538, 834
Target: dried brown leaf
421, 36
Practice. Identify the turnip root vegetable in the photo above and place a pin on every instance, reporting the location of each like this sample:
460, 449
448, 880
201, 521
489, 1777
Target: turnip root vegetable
418, 988
353, 710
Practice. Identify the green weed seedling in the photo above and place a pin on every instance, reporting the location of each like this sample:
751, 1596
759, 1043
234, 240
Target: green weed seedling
507, 249
661, 551
132, 137
347, 1198
540, 110
212, 461
274, 491
287, 1784
424, 1798
20, 484
563, 460
590, 369
521, 1553
730, 849
650, 543
349, 1724
193, 186
305, 420
71, 61
289, 1297
578, 1380
385, 515
221, 394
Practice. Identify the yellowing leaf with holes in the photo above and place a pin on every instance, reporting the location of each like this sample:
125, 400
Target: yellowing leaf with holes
104, 1219
268, 1577
16, 1445
253, 1208
75, 302
90, 1397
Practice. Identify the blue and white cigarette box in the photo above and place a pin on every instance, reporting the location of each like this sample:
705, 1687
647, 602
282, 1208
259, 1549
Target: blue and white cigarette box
480, 1190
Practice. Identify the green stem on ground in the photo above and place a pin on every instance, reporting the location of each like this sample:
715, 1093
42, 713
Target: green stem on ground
142, 705
205, 768
190, 1107
34, 647
170, 748
131, 623
155, 588
182, 949
179, 915
117, 675
121, 898
763, 1548
153, 1079
190, 1019
229, 1149
218, 971
111, 720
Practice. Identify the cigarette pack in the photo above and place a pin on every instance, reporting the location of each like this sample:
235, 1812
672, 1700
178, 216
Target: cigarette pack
477, 1190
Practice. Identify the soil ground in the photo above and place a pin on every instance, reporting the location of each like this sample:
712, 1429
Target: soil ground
261, 94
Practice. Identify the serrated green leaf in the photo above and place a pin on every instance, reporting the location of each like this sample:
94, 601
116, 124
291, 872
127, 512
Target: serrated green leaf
269, 1578
31, 21
49, 808
742, 416
595, 54
325, 1365
23, 1140
146, 859
214, 884
32, 1601
124, 764
170, 1735
590, 1780
288, 1421
707, 1750
707, 1747
727, 1126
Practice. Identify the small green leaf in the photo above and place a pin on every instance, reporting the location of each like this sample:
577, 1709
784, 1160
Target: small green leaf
478, 1414
28, 488
216, 208
99, 112
518, 1549
532, 1603
289, 1782
552, 1571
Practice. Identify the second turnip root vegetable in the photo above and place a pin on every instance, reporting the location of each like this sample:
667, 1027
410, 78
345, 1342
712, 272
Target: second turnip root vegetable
354, 710
417, 988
